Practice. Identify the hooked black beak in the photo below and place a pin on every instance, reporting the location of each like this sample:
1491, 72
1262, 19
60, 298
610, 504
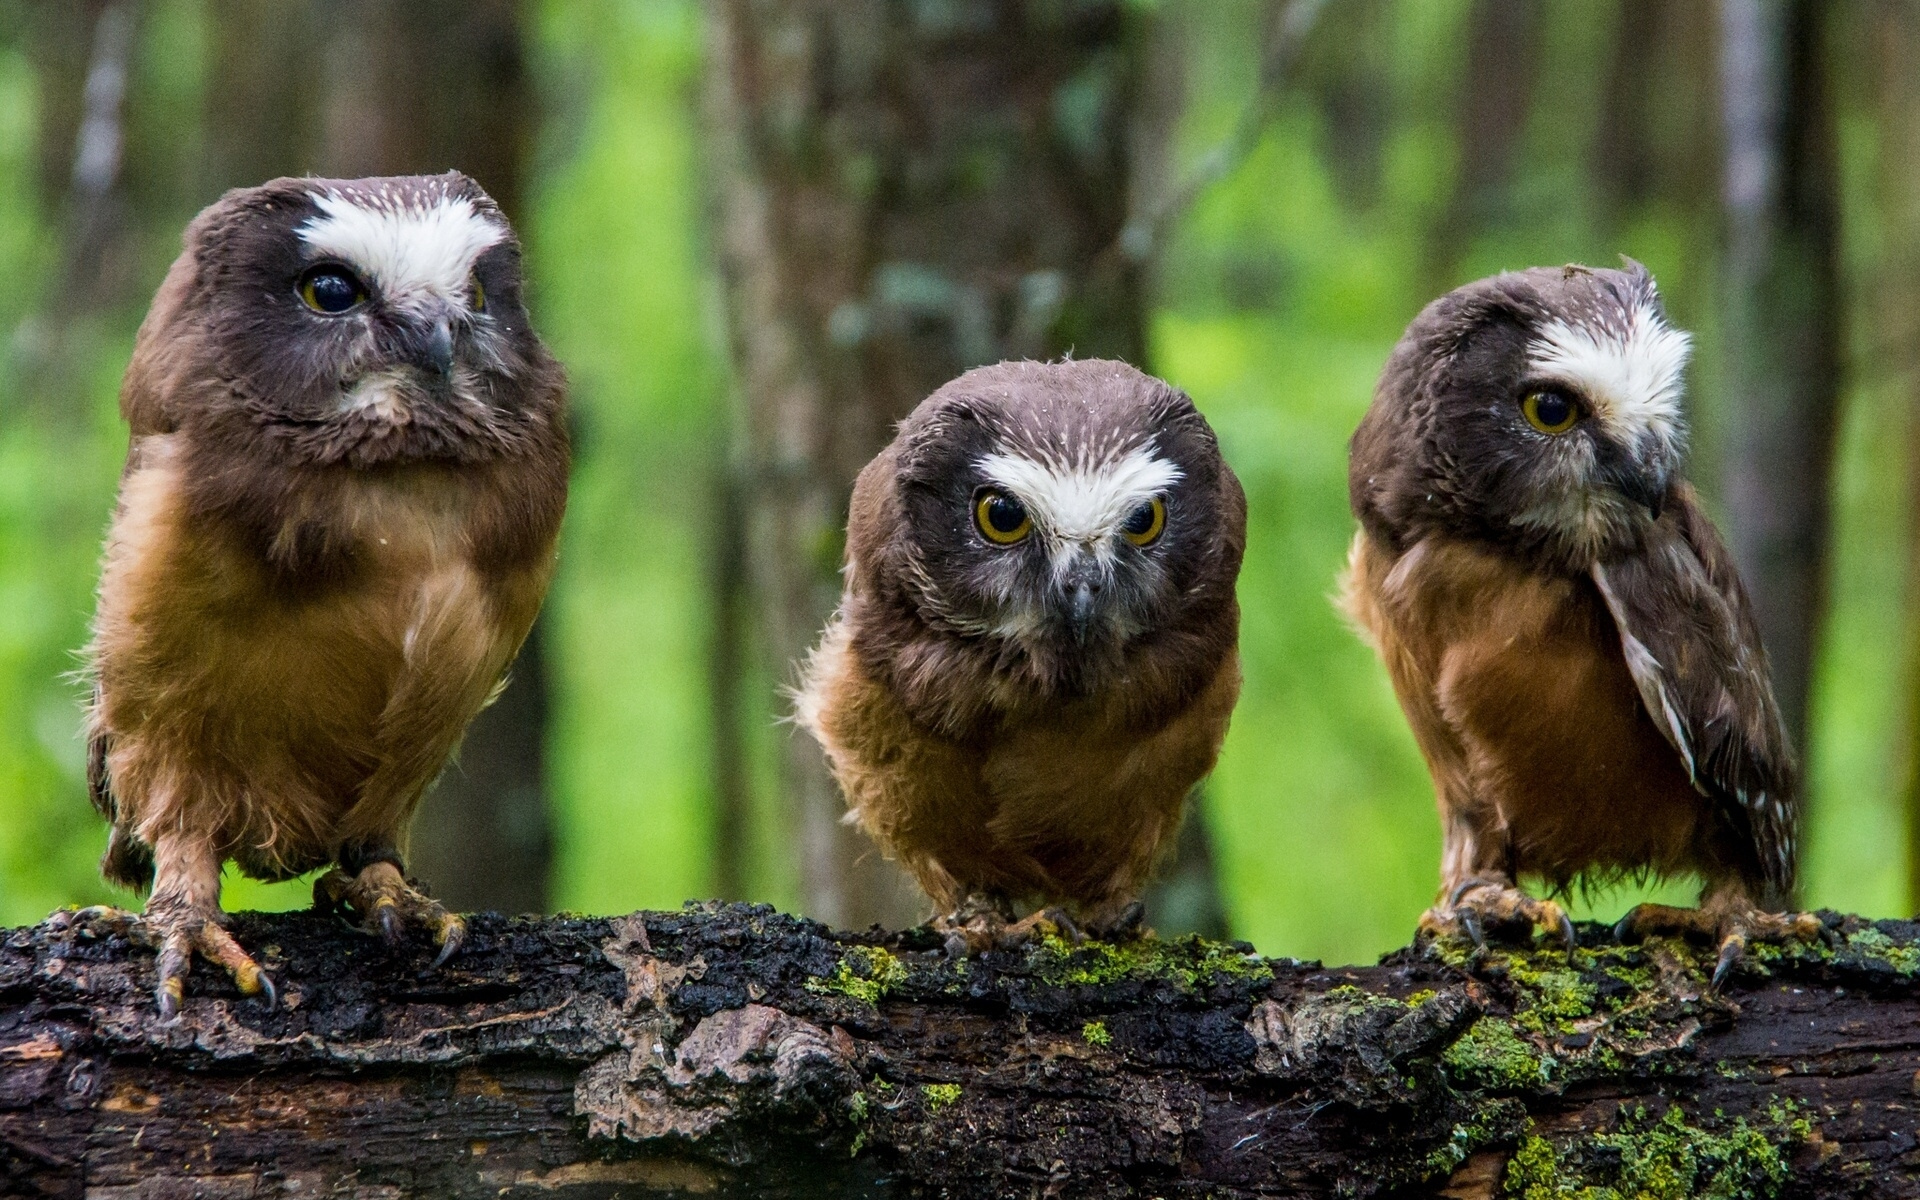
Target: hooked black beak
1643, 489
439, 347
1082, 595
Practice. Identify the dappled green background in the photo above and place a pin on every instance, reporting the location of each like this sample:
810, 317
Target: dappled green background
1280, 297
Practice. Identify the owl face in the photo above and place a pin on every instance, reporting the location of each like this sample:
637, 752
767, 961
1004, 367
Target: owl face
1543, 408
366, 320
1062, 510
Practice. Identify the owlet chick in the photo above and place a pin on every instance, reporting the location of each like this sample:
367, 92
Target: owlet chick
1036, 654
335, 527
1567, 634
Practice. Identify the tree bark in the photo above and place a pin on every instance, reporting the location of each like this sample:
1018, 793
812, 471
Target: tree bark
903, 192
351, 88
1782, 321
733, 1051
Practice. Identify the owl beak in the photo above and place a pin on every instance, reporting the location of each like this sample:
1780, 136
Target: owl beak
1645, 488
440, 347
1080, 590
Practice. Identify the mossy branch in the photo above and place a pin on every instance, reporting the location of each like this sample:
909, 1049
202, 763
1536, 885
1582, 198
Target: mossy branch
730, 1050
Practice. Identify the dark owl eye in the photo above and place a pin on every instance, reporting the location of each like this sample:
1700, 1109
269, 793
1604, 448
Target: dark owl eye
1002, 519
1144, 524
331, 288
1549, 411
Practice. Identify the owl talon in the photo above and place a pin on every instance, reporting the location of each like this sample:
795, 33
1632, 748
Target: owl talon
386, 904
1123, 926
1470, 921
183, 932
1479, 903
452, 932
1730, 921
393, 931
1732, 950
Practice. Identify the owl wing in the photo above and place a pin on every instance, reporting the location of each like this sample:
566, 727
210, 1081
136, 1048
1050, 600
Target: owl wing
1690, 640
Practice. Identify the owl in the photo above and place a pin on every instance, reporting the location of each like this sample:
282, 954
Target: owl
1036, 653
1566, 632
335, 527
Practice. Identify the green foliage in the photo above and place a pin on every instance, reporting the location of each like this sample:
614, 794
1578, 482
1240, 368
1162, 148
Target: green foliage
1095, 1033
940, 1095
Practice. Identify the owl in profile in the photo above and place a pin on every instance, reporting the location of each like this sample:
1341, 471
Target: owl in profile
1036, 654
334, 529
1566, 632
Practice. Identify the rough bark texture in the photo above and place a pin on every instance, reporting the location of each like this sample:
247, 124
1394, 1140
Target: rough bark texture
903, 191
733, 1051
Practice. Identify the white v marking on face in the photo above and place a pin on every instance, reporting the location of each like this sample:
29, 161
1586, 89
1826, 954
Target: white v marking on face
1082, 503
1631, 376
412, 248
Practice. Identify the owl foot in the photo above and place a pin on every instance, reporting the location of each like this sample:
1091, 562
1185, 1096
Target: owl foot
1126, 924
1480, 903
984, 922
386, 903
177, 930
1729, 926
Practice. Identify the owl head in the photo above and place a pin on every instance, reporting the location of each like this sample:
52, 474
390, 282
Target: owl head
1060, 513
1538, 409
360, 321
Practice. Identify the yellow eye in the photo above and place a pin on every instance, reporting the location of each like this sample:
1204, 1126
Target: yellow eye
1144, 525
479, 296
331, 289
1550, 412
1002, 519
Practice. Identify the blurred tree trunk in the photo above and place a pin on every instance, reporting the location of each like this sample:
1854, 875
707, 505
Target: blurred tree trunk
1346, 70
82, 57
904, 191
1493, 97
349, 88
1781, 320
1893, 33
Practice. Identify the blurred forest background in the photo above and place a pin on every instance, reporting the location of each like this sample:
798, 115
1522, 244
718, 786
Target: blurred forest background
759, 230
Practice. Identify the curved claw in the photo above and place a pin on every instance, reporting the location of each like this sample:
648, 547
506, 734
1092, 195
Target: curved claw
393, 930
1730, 953
1471, 920
269, 993
1567, 934
451, 935
1623, 928
1127, 923
166, 997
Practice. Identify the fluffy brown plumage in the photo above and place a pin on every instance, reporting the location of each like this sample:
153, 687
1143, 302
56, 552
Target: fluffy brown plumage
1566, 632
335, 527
1035, 657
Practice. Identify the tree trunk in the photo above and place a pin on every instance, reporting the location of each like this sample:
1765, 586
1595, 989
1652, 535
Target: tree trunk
903, 192
1493, 98
349, 88
732, 1051
1781, 320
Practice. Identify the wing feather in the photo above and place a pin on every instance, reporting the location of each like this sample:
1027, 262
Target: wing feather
1691, 643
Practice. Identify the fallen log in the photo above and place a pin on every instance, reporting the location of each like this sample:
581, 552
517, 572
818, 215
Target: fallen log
728, 1050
